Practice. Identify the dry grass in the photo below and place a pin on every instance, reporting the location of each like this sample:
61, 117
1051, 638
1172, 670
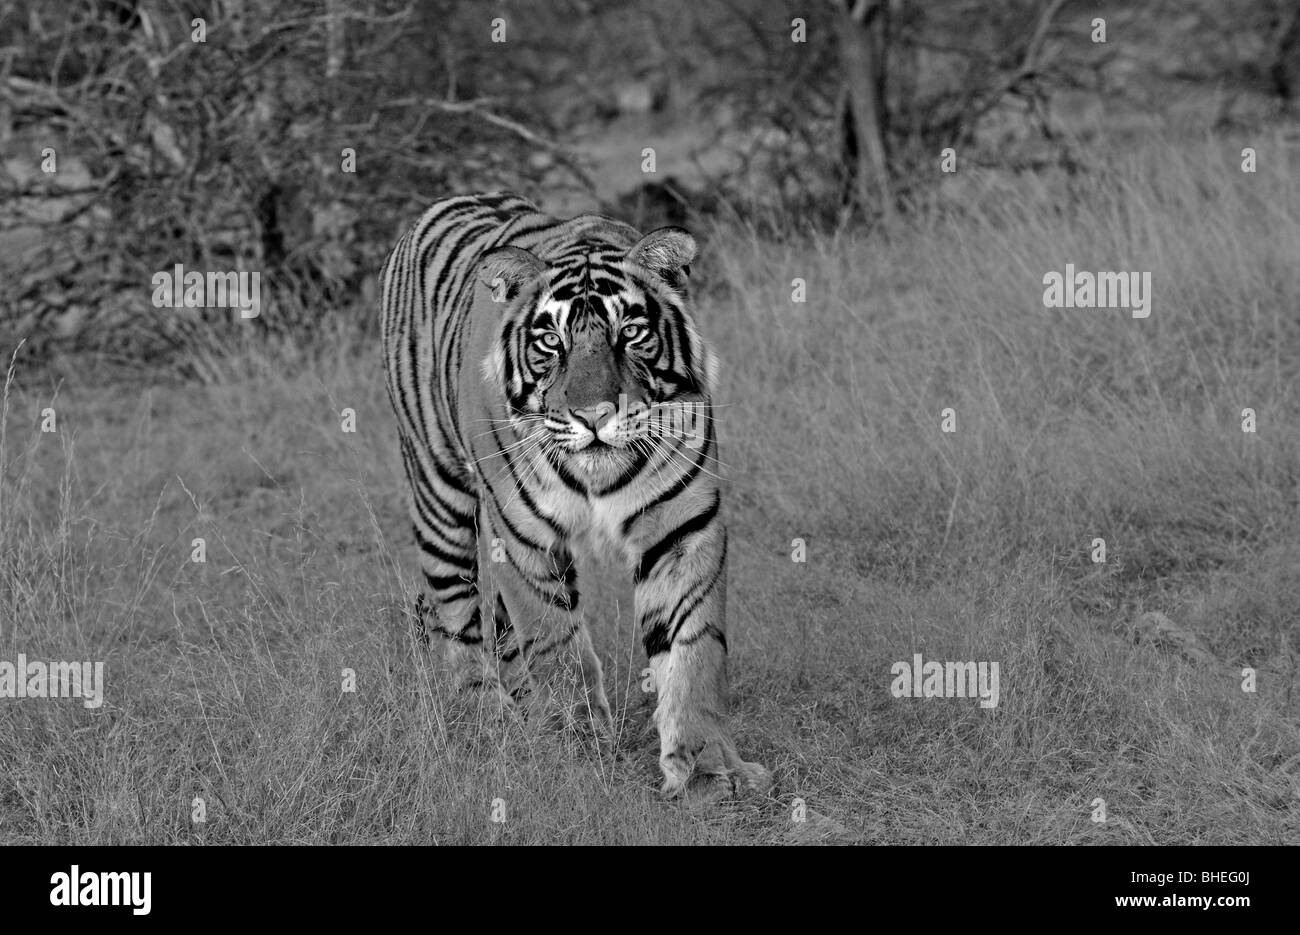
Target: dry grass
223, 679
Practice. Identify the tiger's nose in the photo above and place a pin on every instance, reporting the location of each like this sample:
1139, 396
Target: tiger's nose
594, 417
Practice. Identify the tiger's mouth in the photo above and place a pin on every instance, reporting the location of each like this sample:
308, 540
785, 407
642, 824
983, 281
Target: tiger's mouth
597, 445
613, 437
599, 453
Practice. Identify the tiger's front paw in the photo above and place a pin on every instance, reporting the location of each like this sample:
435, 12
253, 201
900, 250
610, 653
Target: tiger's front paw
486, 699
715, 773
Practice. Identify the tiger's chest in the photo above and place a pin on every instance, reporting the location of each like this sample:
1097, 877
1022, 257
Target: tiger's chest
605, 528
592, 521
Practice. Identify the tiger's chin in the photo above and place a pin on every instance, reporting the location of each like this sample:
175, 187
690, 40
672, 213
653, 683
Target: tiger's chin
600, 461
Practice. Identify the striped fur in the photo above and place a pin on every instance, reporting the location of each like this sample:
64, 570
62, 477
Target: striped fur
550, 388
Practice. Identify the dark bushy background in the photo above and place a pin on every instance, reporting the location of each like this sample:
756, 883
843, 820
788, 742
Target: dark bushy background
227, 154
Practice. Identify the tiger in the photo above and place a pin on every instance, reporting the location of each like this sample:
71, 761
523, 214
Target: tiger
552, 391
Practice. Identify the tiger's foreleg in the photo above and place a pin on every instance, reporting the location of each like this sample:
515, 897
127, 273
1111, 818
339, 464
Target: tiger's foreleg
449, 610
459, 628
557, 668
681, 611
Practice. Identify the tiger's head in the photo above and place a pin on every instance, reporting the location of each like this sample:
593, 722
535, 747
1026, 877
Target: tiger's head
597, 357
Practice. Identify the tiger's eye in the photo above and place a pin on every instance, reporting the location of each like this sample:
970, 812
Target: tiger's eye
550, 339
632, 332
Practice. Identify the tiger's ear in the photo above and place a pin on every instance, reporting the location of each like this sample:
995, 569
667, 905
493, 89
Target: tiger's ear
507, 270
666, 252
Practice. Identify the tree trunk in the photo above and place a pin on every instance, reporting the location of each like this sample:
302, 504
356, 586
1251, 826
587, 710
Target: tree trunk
863, 29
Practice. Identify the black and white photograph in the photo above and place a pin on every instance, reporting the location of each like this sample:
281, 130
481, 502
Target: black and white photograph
650, 422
